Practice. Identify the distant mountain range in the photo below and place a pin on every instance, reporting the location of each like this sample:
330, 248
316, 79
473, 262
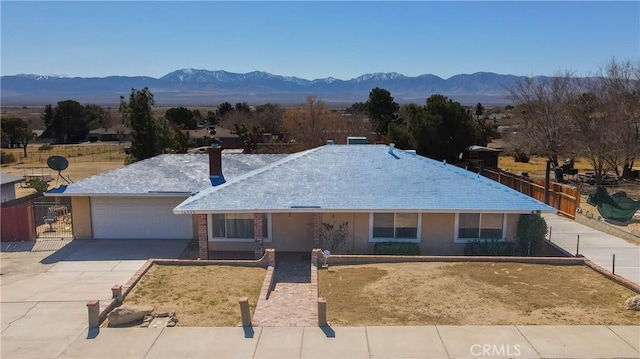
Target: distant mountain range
203, 87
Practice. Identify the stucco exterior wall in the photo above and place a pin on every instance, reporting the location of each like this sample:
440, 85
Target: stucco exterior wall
8, 192
81, 217
292, 232
512, 227
357, 241
437, 234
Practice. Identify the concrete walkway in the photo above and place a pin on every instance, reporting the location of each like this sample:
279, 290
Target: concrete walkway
362, 342
599, 247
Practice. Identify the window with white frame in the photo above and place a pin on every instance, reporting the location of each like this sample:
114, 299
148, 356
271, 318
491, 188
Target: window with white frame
394, 226
480, 226
236, 227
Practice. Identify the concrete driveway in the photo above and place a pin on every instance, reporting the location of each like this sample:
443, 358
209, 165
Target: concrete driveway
44, 294
599, 247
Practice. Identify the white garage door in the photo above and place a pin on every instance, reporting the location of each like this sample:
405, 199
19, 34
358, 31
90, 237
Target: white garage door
139, 218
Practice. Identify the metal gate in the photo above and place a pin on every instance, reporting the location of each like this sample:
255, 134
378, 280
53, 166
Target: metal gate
53, 218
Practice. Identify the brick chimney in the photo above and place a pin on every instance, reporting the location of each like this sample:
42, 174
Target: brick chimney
215, 166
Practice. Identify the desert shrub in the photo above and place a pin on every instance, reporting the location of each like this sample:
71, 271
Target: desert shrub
45, 147
397, 248
129, 159
7, 157
334, 236
39, 185
532, 229
489, 248
519, 156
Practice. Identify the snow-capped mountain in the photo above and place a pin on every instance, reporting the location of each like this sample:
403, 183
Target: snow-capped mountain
204, 87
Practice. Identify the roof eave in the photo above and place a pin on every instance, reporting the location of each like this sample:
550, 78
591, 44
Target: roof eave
362, 210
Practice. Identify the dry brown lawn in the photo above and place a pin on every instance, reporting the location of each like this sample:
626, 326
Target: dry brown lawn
472, 294
201, 296
85, 160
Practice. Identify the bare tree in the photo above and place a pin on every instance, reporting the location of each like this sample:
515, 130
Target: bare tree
547, 128
313, 123
597, 138
619, 84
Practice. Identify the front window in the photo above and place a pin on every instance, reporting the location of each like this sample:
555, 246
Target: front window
483, 226
237, 226
394, 226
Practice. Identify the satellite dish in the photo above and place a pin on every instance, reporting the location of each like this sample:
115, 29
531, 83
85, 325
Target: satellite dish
57, 163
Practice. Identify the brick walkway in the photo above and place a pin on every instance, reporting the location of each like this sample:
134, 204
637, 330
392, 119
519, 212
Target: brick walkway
293, 300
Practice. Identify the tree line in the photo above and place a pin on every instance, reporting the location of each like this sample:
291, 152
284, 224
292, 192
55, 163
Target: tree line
596, 117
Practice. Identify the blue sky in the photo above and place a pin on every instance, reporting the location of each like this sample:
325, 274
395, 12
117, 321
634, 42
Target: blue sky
315, 39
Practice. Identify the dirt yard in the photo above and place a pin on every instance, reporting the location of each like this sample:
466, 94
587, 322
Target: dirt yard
472, 294
85, 160
201, 296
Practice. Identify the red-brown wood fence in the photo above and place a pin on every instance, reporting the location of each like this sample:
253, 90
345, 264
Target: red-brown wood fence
566, 199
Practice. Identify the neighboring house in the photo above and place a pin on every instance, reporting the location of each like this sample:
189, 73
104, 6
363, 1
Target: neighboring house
482, 156
384, 194
252, 202
203, 137
120, 133
136, 201
8, 186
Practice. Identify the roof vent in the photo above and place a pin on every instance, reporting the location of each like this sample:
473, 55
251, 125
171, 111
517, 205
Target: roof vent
329, 142
392, 146
356, 140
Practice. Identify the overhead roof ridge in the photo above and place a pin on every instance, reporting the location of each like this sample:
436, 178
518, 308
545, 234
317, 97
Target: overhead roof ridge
250, 174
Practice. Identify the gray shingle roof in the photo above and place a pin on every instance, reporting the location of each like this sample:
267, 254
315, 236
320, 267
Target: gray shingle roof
360, 177
166, 173
6, 178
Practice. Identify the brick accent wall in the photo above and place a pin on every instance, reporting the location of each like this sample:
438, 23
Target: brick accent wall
257, 234
203, 236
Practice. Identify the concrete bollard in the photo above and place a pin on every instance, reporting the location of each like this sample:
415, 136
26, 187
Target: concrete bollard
116, 292
93, 308
244, 312
322, 312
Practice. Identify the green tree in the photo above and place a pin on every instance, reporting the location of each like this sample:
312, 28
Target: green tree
25, 134
12, 129
442, 129
149, 135
70, 121
358, 107
531, 232
381, 109
182, 117
399, 135
39, 185
47, 118
250, 136
97, 116
224, 108
242, 107
479, 110
269, 117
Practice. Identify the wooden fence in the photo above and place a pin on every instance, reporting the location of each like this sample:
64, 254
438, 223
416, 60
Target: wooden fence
565, 199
